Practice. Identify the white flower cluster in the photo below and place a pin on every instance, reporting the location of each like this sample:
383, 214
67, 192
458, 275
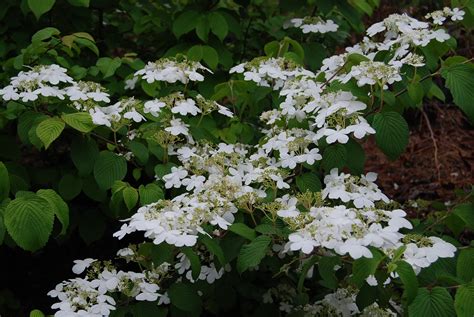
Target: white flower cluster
439, 16
270, 71
345, 230
314, 25
118, 114
422, 251
361, 191
208, 272
92, 295
341, 303
170, 70
41, 80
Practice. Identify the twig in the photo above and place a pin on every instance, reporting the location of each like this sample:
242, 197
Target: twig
437, 165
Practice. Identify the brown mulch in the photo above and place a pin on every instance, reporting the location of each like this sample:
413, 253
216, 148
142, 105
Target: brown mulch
414, 174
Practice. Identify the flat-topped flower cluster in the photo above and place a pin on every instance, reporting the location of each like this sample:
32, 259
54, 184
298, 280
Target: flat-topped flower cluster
349, 216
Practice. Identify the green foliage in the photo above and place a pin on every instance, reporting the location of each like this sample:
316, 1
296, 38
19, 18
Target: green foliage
391, 133
252, 253
460, 82
435, 302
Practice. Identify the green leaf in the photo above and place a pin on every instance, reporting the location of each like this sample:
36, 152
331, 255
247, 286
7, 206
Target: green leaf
391, 133
108, 168
184, 297
40, 7
4, 182
108, 66
194, 260
80, 121
29, 221
356, 154
69, 186
130, 197
150, 193
49, 130
44, 34
326, 266
36, 313
304, 271
466, 213
416, 92
204, 52
308, 182
334, 156
465, 265
243, 230
460, 82
218, 25
140, 151
57, 204
84, 152
185, 22
432, 303
364, 267
463, 301
203, 28
79, 3
213, 246
252, 253
408, 277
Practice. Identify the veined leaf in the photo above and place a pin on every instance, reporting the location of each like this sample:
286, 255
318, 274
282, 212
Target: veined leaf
49, 130
108, 168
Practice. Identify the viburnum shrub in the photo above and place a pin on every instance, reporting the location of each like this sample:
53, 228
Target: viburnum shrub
260, 206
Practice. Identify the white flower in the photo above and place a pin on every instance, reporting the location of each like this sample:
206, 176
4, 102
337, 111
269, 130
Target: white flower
457, 14
177, 127
81, 265
183, 107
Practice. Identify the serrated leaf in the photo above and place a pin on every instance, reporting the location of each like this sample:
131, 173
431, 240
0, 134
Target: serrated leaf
460, 82
465, 265
185, 23
464, 300
57, 204
432, 303
243, 230
4, 182
308, 182
40, 7
184, 297
218, 25
108, 66
49, 130
108, 168
29, 221
150, 193
334, 156
130, 197
391, 133
80, 121
408, 277
252, 253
